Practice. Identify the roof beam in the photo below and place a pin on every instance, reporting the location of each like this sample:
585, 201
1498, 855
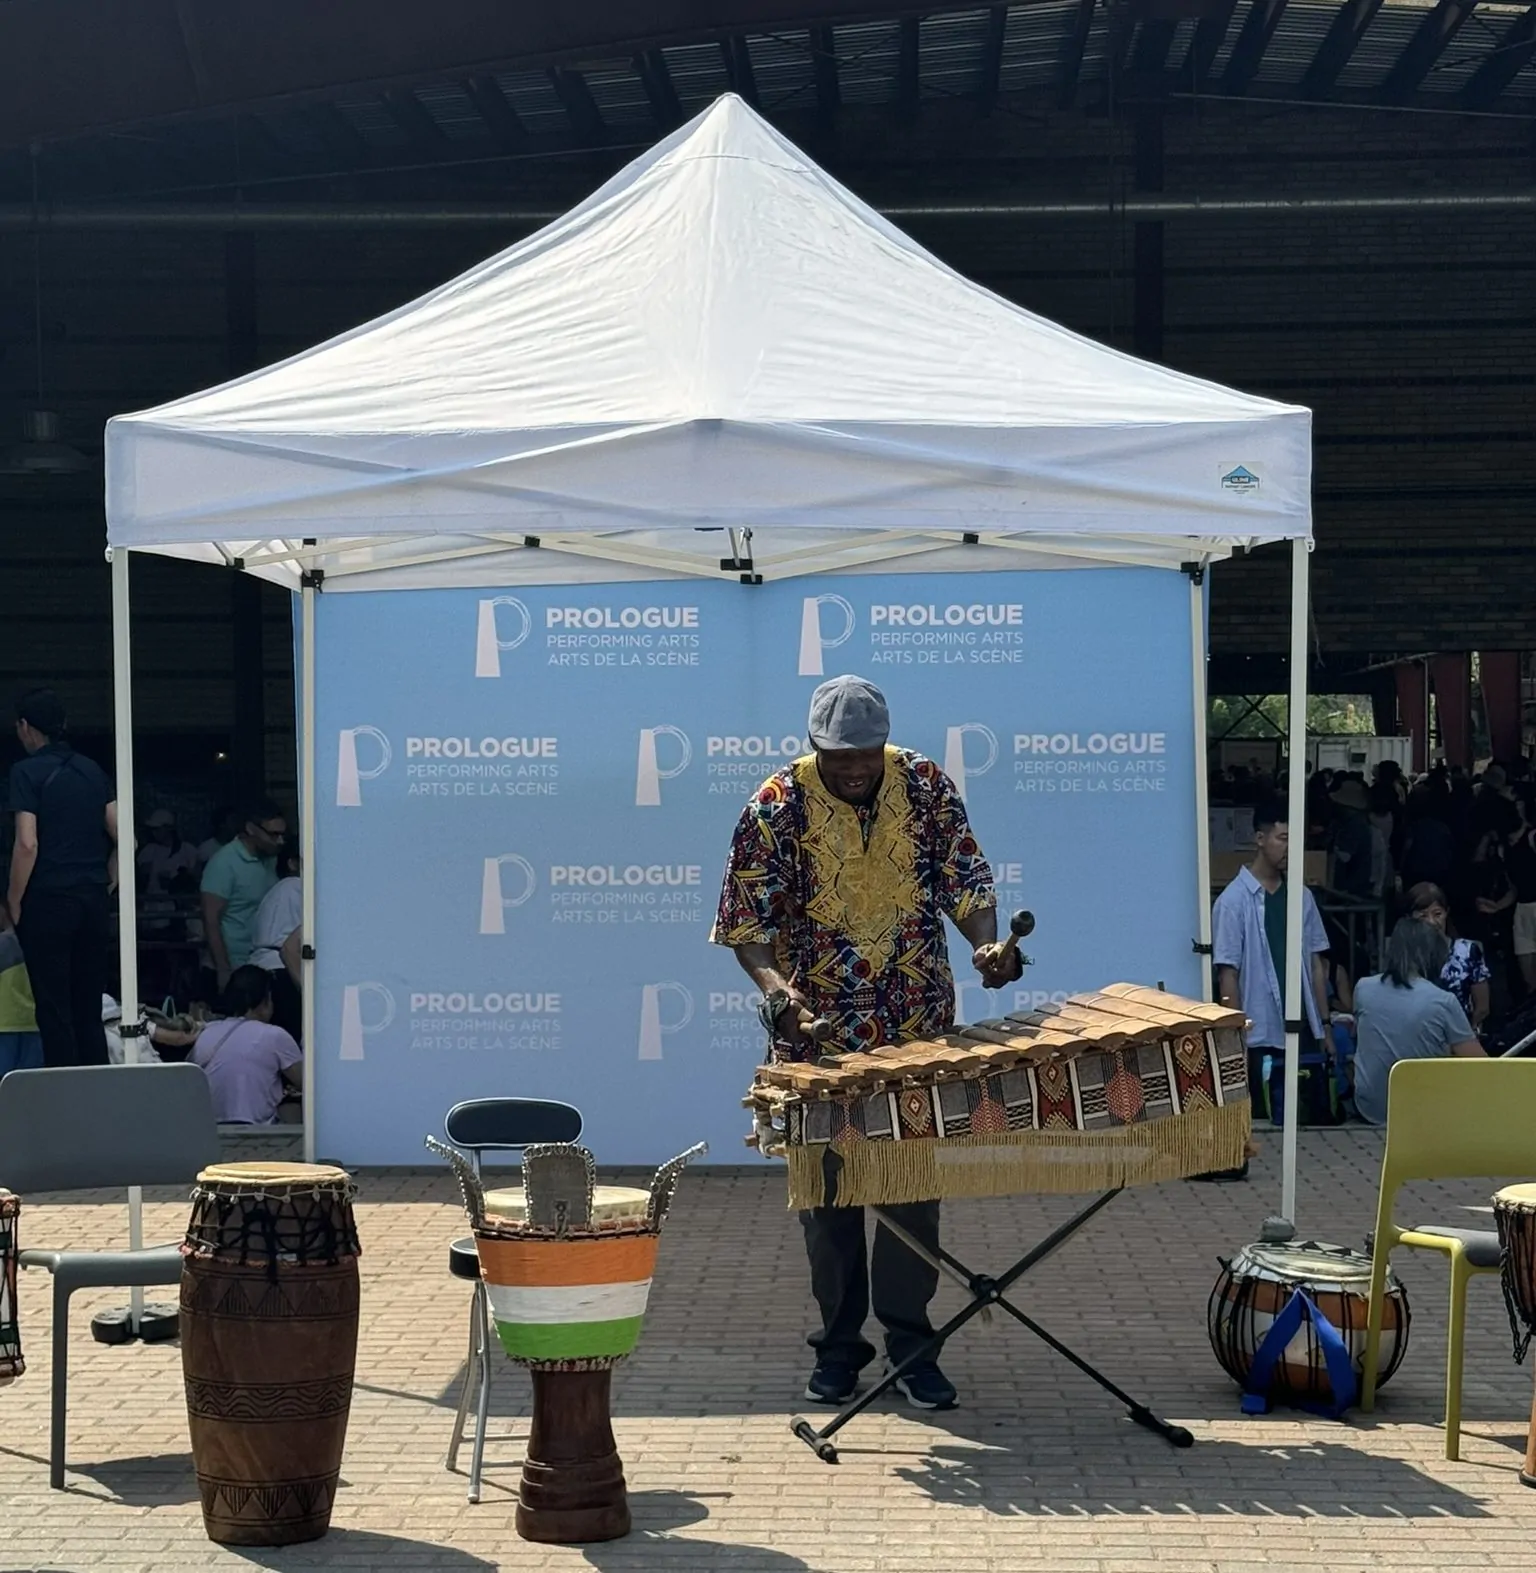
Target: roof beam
656, 79
909, 61
1340, 42
1513, 52
1072, 52
1258, 28
1153, 42
577, 101
738, 68
992, 60
63, 70
337, 136
1210, 33
829, 96
411, 115
496, 114
1425, 48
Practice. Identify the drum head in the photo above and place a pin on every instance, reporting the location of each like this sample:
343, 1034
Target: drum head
256, 1175
612, 1205
1306, 1262
1520, 1197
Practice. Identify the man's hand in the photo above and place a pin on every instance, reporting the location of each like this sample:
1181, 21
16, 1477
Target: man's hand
998, 963
792, 1022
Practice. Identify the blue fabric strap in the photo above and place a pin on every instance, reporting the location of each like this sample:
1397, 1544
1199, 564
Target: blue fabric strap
1341, 1369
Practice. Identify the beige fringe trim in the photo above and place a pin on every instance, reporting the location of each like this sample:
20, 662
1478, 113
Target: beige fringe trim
1008, 1163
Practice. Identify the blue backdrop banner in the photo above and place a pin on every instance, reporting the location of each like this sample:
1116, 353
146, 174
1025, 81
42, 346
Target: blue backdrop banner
526, 802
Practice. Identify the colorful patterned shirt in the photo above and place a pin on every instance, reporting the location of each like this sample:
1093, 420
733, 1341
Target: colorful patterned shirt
853, 899
1464, 967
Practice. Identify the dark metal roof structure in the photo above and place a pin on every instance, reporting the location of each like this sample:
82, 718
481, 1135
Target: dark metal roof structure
137, 95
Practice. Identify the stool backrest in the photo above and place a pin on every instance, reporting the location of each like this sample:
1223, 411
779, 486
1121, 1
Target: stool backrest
79, 1127
501, 1124
1454, 1118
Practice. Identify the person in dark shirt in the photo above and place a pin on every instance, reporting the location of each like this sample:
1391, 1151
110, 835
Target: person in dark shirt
1350, 840
63, 865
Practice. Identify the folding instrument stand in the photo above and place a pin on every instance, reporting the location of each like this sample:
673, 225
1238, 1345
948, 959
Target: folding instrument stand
985, 1292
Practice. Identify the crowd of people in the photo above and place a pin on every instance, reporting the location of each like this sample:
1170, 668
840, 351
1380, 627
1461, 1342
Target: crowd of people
1451, 860
56, 1005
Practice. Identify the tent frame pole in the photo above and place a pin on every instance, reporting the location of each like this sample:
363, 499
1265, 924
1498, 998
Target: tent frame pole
127, 865
307, 848
1197, 664
1298, 968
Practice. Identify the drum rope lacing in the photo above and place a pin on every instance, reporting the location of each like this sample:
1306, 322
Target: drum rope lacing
283, 1231
1517, 1263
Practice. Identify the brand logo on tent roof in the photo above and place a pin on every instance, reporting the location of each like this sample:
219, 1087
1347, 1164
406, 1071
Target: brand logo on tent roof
1240, 479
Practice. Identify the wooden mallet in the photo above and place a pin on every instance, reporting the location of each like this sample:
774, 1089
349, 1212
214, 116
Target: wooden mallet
1020, 926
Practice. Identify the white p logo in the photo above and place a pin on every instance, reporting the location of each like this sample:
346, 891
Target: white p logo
353, 1026
648, 774
349, 776
812, 640
652, 1028
488, 641
955, 766
494, 900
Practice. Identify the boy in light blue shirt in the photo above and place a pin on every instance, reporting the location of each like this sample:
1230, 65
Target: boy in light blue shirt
1248, 952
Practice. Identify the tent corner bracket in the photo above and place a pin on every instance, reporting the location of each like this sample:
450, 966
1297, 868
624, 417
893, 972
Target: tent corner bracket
1196, 572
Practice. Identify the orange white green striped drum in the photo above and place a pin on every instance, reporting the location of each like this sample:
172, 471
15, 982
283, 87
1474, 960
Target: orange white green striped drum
573, 1301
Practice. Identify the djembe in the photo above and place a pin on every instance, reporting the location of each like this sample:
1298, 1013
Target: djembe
269, 1303
567, 1265
11, 1363
1514, 1215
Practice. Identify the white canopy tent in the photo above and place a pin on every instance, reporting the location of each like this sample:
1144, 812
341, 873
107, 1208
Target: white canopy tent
720, 339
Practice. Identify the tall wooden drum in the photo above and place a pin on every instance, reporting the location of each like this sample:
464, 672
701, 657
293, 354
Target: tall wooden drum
1514, 1215
11, 1363
269, 1302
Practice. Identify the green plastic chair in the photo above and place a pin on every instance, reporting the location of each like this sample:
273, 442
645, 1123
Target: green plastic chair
1448, 1119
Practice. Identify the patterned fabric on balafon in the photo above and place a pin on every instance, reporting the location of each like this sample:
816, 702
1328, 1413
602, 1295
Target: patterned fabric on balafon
1122, 1087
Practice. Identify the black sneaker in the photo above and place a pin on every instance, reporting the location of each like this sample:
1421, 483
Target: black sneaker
926, 1387
832, 1382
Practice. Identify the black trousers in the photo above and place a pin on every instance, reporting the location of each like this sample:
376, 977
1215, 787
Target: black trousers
846, 1273
64, 937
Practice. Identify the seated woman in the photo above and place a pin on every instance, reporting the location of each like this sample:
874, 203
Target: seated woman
1466, 974
1402, 1015
248, 1061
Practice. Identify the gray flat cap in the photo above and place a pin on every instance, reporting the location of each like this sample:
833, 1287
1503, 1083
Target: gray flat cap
848, 712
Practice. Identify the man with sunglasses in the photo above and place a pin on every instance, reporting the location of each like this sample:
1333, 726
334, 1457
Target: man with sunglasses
236, 879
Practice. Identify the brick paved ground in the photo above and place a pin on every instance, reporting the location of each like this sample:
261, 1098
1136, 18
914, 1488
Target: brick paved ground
1038, 1470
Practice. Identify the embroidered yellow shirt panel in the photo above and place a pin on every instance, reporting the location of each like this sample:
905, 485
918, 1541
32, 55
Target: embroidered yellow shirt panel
861, 889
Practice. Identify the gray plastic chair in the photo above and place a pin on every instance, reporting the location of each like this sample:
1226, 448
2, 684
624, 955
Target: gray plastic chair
83, 1127
480, 1126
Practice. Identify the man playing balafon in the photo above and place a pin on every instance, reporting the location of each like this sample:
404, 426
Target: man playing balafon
841, 871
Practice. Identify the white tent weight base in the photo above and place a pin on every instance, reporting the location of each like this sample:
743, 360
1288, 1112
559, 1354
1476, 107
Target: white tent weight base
722, 363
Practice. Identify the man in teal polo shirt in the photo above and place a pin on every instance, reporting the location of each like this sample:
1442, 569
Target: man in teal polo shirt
238, 875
